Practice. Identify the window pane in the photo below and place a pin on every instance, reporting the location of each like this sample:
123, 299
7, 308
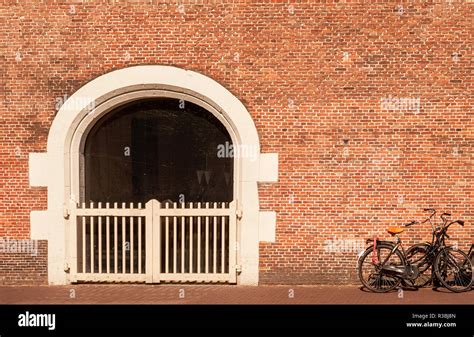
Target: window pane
158, 149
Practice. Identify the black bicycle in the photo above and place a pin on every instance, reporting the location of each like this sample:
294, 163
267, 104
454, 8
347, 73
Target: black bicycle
384, 264
424, 254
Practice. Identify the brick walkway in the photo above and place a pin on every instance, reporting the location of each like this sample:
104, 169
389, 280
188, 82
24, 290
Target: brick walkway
221, 294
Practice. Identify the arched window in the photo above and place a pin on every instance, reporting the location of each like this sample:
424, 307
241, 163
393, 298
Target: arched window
85, 185
160, 148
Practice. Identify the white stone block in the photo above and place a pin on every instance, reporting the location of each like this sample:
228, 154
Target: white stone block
268, 170
267, 226
38, 169
40, 223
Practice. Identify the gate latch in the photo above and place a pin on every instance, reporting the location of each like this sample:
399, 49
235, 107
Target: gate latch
65, 212
238, 268
239, 213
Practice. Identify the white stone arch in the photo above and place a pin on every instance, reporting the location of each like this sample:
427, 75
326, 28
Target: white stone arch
54, 168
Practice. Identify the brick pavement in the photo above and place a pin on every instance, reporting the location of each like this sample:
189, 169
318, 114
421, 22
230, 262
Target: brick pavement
221, 294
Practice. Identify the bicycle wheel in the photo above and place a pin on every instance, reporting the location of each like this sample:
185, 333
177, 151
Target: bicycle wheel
372, 276
417, 255
453, 269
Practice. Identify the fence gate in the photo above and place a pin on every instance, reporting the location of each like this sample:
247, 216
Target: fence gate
161, 242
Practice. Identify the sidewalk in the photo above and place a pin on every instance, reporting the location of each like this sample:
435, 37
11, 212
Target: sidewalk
222, 294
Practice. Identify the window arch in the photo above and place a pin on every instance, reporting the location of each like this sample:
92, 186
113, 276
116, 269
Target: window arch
58, 167
159, 148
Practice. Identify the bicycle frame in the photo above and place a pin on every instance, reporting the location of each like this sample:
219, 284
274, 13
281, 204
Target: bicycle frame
437, 240
437, 243
435, 260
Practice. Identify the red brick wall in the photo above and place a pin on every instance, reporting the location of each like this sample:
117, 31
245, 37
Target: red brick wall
24, 267
313, 77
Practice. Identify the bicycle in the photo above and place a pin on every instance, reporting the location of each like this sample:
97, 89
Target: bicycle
383, 265
424, 254
452, 267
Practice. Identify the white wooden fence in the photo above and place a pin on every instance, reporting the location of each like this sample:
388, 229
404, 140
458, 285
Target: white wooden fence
161, 242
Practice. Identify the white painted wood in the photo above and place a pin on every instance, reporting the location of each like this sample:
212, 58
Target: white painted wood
199, 242
187, 277
124, 234
223, 244
183, 234
140, 238
156, 242
233, 244
111, 212
149, 241
191, 233
91, 235
83, 244
141, 212
115, 241
153, 214
107, 235
99, 237
175, 242
132, 244
73, 248
214, 239
89, 277
207, 242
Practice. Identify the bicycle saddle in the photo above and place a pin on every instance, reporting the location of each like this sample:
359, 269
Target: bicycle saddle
395, 230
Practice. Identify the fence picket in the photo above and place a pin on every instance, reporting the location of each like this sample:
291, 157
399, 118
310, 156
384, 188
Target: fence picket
223, 235
107, 235
183, 243
115, 242
139, 242
99, 238
214, 239
191, 237
199, 242
83, 241
207, 241
201, 235
132, 246
91, 236
124, 251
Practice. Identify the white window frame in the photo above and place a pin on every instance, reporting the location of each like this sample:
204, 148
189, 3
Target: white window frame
77, 177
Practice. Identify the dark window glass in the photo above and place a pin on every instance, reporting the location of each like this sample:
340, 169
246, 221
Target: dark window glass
163, 149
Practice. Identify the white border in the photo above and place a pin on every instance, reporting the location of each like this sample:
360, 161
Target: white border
53, 169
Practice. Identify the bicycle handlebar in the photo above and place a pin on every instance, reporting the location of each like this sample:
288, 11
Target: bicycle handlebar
444, 216
433, 212
410, 223
444, 230
457, 221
